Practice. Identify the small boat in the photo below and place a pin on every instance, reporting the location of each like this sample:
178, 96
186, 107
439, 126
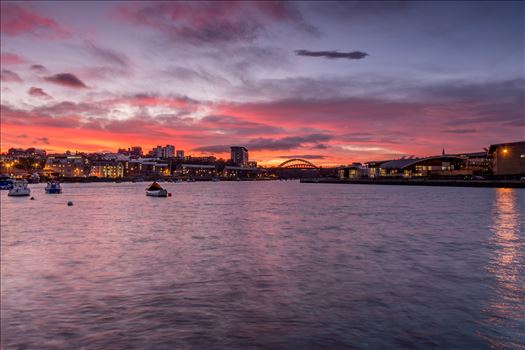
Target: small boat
53, 187
6, 183
215, 179
19, 189
155, 190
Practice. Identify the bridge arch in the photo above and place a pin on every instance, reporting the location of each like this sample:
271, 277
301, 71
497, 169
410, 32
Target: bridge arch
297, 163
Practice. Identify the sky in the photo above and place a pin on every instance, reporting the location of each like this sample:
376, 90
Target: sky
331, 82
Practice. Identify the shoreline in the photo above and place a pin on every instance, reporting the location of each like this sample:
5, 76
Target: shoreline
422, 182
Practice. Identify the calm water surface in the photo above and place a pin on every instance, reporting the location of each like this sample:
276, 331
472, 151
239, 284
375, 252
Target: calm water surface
274, 265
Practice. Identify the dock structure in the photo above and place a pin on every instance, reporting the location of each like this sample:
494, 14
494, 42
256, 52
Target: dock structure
421, 182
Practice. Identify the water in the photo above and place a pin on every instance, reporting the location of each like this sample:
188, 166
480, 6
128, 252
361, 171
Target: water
274, 265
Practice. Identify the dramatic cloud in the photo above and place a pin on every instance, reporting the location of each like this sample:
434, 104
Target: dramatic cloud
66, 108
18, 20
10, 76
214, 21
11, 59
272, 144
286, 143
107, 55
66, 79
354, 55
207, 75
38, 68
21, 136
38, 92
43, 140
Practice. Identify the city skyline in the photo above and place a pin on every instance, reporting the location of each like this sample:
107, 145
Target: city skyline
332, 84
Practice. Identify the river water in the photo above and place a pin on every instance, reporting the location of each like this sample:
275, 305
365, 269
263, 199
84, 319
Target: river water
263, 265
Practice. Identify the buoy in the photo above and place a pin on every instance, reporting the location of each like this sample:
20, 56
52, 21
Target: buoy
70, 203
169, 194
32, 198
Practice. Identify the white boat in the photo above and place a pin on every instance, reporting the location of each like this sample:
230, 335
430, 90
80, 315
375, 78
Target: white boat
53, 187
155, 190
6, 183
19, 189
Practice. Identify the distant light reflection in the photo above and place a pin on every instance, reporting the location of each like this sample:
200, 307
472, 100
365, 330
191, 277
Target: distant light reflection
507, 263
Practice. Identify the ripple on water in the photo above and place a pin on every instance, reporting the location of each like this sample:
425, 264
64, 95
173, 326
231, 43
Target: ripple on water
264, 265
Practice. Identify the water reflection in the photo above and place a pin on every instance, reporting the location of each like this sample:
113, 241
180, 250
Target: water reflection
507, 265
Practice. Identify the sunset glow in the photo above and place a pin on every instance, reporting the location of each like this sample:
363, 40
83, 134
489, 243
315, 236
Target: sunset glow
333, 83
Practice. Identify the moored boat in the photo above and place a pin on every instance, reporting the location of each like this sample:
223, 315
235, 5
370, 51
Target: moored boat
19, 189
155, 190
6, 183
53, 187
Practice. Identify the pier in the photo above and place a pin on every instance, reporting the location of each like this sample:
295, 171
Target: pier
422, 182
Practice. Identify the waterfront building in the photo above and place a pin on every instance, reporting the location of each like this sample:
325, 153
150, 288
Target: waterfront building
201, 160
373, 168
135, 151
156, 152
168, 151
444, 165
240, 172
239, 155
155, 168
508, 158
20, 153
133, 168
477, 162
354, 171
107, 169
66, 165
199, 171
180, 154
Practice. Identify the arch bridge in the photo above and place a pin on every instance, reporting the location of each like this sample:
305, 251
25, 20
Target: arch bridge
297, 163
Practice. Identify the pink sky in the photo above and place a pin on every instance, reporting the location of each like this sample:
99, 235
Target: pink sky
407, 78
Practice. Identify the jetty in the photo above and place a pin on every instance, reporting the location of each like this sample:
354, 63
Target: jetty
420, 182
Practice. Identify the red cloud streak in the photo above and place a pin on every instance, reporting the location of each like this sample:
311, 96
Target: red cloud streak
19, 20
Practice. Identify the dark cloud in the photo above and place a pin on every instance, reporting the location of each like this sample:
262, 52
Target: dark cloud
320, 146
38, 68
43, 140
107, 55
38, 92
21, 136
272, 144
66, 108
10, 76
66, 79
213, 149
213, 22
304, 156
460, 131
286, 143
354, 55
